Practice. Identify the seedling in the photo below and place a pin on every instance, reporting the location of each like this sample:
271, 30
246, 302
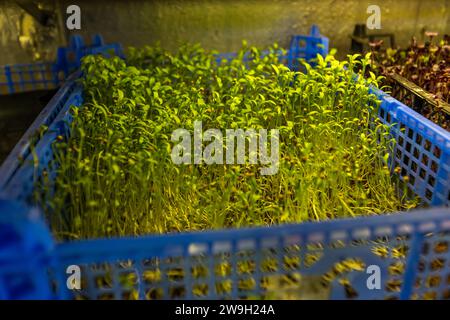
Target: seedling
115, 174
427, 65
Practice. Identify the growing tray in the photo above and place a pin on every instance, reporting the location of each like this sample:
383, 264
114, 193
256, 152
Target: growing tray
415, 245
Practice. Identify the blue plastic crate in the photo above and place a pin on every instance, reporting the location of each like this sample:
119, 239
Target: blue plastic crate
26, 251
409, 252
186, 266
416, 244
301, 47
29, 77
422, 150
49, 75
69, 58
306, 47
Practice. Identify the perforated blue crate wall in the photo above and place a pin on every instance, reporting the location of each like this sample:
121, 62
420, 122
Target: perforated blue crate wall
70, 57
282, 262
29, 77
25, 246
422, 150
432, 279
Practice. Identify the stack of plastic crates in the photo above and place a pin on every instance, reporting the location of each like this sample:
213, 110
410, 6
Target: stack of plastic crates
49, 75
394, 256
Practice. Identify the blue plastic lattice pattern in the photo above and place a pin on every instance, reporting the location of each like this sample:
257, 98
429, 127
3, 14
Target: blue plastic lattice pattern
422, 150
29, 77
281, 262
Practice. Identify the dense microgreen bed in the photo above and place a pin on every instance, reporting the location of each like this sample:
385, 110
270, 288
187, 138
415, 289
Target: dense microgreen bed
425, 64
115, 175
